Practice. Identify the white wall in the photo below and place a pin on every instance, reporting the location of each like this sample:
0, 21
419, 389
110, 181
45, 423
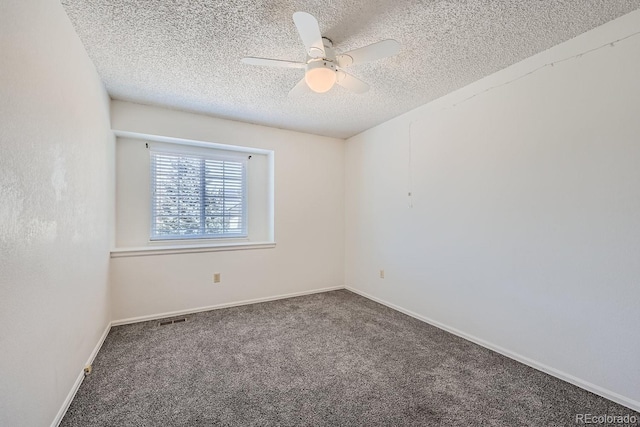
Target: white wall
54, 211
309, 222
525, 227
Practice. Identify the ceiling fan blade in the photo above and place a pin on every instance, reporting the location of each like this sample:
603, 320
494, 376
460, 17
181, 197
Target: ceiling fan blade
299, 89
309, 31
272, 62
379, 50
354, 84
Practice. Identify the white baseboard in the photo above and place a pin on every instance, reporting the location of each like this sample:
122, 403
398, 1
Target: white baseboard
78, 382
219, 306
593, 388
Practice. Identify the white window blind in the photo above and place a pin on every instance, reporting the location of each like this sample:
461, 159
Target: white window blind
197, 196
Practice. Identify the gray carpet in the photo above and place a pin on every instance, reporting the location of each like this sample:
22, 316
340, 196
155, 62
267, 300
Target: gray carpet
326, 359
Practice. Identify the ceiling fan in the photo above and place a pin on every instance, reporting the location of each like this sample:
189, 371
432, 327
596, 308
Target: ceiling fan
323, 68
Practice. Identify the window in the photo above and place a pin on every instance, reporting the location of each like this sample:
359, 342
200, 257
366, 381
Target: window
197, 196
181, 196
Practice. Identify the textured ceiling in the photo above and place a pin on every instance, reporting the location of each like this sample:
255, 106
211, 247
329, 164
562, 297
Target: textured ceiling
185, 54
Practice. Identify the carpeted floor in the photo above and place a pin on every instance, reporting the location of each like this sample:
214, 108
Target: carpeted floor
326, 359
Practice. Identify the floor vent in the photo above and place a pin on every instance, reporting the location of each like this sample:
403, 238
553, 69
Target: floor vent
172, 321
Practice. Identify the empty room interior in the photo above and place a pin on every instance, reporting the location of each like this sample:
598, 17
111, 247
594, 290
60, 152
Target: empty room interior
353, 213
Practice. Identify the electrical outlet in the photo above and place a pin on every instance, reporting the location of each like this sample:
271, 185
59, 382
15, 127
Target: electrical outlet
382, 274
216, 277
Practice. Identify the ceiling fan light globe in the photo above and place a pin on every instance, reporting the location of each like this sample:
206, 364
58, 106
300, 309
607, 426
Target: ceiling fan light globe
320, 79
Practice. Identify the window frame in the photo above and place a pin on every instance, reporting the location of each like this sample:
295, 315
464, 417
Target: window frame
142, 246
204, 153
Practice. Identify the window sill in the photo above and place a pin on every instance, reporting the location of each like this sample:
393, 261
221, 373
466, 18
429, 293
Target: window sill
188, 249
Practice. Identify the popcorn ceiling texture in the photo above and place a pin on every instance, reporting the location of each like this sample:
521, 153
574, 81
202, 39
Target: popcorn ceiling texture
186, 54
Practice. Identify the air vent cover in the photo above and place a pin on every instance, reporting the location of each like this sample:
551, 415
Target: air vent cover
166, 322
